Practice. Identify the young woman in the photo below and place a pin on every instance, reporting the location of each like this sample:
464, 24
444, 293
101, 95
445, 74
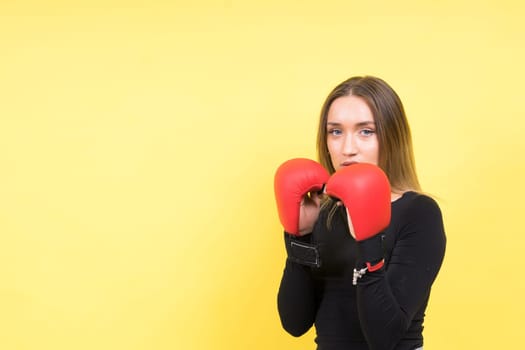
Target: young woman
360, 291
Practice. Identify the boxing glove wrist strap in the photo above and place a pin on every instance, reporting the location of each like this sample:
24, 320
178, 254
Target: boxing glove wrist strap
371, 253
301, 251
358, 273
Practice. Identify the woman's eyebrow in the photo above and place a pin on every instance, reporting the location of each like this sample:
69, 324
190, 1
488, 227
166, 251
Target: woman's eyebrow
367, 123
360, 124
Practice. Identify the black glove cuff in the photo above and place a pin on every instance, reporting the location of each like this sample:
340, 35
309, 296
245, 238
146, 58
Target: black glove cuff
301, 251
371, 251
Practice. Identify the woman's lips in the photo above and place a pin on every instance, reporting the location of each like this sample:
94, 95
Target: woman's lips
347, 163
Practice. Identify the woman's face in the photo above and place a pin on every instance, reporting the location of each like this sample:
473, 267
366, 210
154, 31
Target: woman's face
351, 132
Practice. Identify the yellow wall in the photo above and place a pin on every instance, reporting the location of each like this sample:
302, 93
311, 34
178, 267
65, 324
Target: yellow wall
138, 142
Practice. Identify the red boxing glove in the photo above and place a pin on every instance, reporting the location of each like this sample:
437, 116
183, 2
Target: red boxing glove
365, 192
294, 179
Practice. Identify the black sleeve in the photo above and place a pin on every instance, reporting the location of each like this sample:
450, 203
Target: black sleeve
296, 297
389, 298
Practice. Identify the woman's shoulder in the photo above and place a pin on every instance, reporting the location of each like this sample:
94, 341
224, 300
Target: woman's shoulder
417, 204
417, 216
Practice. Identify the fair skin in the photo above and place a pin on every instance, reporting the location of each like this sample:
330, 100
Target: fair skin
351, 133
351, 138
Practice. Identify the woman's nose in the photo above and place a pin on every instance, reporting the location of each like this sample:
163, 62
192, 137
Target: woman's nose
349, 146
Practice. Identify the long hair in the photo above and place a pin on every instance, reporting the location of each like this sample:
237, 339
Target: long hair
396, 156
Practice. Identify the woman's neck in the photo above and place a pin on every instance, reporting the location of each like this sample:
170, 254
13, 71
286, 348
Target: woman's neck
396, 194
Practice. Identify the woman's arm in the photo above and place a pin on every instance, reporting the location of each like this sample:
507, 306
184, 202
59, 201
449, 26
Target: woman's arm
389, 298
296, 298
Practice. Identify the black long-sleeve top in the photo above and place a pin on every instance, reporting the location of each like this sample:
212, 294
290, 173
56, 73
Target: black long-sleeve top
386, 309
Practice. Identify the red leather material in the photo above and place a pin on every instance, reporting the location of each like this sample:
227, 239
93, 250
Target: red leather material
365, 191
293, 180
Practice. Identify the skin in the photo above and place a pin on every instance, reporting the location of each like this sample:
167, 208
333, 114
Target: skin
352, 134
309, 212
351, 139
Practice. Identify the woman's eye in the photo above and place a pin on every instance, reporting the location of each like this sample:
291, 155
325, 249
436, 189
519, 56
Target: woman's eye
334, 132
367, 132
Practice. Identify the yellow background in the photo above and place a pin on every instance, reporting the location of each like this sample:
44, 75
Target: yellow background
138, 142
